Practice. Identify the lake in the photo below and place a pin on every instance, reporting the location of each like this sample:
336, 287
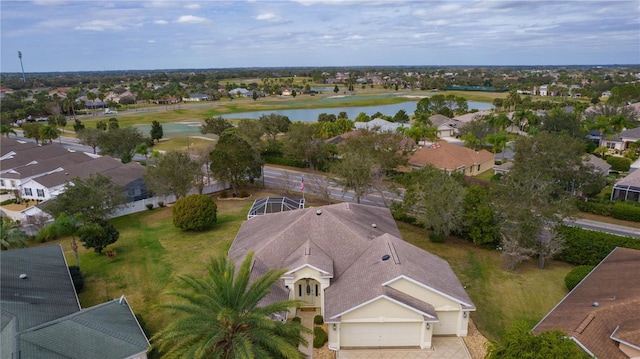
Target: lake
311, 115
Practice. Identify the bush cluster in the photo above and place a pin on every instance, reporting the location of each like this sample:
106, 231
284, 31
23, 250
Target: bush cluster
620, 164
585, 247
285, 162
76, 277
319, 337
196, 212
626, 212
574, 277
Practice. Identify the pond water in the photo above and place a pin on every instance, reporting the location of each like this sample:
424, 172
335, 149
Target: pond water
311, 115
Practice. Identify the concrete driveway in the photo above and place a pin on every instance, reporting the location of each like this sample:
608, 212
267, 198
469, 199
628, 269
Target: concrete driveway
443, 348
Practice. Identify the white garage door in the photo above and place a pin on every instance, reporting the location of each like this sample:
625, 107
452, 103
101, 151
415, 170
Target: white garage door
448, 324
379, 334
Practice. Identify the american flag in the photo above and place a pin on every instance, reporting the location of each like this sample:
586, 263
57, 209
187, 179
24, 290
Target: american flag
302, 184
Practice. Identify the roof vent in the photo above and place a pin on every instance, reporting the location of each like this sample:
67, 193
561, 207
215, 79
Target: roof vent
319, 212
595, 304
374, 225
386, 257
23, 276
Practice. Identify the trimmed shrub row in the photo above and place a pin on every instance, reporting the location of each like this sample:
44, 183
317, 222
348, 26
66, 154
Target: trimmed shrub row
585, 247
576, 275
620, 164
628, 211
285, 162
319, 337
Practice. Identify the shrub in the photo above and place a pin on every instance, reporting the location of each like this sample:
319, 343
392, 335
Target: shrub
599, 208
620, 164
319, 337
243, 194
149, 206
224, 194
197, 212
296, 320
98, 234
625, 211
318, 320
576, 275
76, 277
8, 201
585, 247
161, 204
436, 238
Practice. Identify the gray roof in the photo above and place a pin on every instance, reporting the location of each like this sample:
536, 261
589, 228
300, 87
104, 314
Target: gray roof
25, 155
46, 294
632, 134
40, 167
632, 179
8, 145
82, 170
108, 330
348, 242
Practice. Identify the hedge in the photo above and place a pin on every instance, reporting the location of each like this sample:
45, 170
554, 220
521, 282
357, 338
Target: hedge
577, 274
585, 247
285, 162
626, 212
620, 164
601, 209
319, 337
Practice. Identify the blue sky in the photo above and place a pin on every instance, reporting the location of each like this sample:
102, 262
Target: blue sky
118, 35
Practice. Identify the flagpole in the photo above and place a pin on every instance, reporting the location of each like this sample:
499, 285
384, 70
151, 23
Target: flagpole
302, 187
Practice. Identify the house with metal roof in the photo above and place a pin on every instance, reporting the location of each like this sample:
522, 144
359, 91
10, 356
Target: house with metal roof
41, 317
348, 262
601, 314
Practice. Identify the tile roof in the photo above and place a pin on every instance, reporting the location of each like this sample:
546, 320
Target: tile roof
448, 156
352, 239
615, 286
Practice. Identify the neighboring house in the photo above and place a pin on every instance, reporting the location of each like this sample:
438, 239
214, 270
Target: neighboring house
602, 313
349, 262
628, 188
339, 138
41, 317
543, 90
471, 116
629, 136
600, 165
453, 158
196, 97
238, 92
503, 168
446, 126
379, 125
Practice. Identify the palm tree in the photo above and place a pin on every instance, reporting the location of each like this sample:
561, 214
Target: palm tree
6, 130
48, 132
10, 234
223, 317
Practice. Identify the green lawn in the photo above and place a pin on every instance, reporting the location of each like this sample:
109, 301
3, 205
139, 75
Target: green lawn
151, 253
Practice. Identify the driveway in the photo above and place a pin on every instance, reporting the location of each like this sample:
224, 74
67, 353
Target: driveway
443, 348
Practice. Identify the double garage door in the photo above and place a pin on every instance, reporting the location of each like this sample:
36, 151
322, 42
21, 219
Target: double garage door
380, 334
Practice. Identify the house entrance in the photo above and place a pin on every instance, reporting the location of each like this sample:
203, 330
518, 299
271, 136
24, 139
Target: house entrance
308, 291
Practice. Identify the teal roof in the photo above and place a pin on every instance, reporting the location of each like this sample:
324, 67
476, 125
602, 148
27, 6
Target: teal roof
109, 330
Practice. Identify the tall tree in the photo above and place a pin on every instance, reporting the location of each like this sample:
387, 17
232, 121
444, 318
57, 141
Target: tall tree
299, 143
222, 316
535, 196
89, 137
95, 197
48, 133
156, 131
173, 173
32, 130
215, 125
6, 130
435, 199
235, 161
120, 142
365, 157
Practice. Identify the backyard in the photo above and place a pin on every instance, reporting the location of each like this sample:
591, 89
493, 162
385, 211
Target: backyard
151, 252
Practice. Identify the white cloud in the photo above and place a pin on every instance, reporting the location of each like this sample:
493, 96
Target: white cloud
190, 19
161, 22
99, 25
354, 37
192, 6
151, 41
267, 17
49, 2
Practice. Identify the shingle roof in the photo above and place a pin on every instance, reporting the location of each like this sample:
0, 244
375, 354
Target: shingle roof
46, 294
108, 330
632, 179
29, 154
82, 170
8, 145
448, 156
615, 285
353, 239
632, 134
44, 166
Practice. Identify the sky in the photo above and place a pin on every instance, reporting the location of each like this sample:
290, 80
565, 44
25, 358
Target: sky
146, 35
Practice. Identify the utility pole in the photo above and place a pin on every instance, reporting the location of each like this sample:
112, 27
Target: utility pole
22, 66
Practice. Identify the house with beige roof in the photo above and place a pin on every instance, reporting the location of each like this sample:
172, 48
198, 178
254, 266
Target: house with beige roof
453, 158
349, 263
601, 314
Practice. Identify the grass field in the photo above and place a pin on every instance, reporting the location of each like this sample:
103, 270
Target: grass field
151, 252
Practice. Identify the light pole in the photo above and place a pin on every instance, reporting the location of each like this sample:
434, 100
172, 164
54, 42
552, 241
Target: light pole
22, 66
